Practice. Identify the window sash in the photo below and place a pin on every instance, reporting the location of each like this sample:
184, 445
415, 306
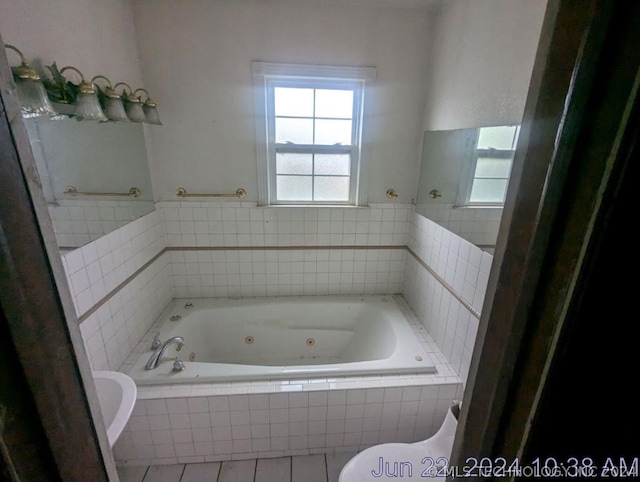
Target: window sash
311, 149
469, 176
352, 149
488, 153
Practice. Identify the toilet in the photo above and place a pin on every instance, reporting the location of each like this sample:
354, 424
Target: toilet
416, 461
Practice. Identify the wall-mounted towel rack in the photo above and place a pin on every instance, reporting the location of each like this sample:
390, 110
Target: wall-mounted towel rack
73, 191
182, 192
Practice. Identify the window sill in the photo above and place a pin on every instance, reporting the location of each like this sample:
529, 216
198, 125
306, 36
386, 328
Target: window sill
347, 206
480, 206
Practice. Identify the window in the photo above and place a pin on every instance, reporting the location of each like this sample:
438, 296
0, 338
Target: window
309, 121
492, 165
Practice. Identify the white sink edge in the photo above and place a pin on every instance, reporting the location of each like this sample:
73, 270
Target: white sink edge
125, 408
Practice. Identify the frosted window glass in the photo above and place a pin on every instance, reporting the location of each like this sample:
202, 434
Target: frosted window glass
331, 188
334, 103
501, 137
335, 164
493, 167
332, 132
297, 131
488, 191
290, 163
293, 188
293, 102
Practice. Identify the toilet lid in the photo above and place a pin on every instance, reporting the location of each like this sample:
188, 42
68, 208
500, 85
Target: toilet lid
395, 461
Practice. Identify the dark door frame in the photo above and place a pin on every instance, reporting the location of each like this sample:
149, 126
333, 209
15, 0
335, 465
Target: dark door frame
48, 397
579, 127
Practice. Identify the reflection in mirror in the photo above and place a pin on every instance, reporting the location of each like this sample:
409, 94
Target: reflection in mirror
463, 180
108, 158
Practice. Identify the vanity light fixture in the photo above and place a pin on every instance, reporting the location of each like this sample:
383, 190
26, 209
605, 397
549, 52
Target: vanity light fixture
113, 107
132, 104
87, 104
31, 91
150, 109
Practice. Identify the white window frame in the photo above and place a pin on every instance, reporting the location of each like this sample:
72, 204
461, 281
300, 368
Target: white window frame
464, 200
267, 76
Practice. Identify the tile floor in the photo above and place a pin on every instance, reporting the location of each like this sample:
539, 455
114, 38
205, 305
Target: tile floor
300, 468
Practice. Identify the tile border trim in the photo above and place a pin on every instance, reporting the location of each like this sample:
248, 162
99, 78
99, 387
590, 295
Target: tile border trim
281, 248
115, 290
446, 285
130, 278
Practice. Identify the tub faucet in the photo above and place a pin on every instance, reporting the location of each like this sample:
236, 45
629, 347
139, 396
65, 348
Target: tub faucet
154, 361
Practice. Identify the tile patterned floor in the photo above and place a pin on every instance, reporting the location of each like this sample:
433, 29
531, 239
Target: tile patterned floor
301, 468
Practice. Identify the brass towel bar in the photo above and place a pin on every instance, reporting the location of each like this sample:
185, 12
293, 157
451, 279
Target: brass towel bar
182, 192
133, 192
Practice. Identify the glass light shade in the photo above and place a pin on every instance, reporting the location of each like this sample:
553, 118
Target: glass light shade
114, 109
88, 108
135, 112
151, 113
33, 99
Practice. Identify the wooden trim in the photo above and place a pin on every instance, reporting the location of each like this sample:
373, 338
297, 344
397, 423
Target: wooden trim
24, 453
581, 84
598, 355
36, 304
605, 85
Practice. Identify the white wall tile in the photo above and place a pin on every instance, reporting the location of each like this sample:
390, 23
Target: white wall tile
98, 267
461, 264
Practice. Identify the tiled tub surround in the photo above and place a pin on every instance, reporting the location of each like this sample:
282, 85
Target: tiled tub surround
78, 222
119, 283
478, 225
446, 294
221, 249
113, 330
202, 422
231, 224
245, 426
215, 272
122, 281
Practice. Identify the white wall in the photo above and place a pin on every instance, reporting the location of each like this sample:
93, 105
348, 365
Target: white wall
482, 58
196, 59
96, 36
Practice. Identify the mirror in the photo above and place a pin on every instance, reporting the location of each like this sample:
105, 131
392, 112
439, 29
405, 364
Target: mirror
103, 161
463, 180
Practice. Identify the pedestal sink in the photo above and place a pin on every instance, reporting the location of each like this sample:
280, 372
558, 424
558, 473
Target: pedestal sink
117, 396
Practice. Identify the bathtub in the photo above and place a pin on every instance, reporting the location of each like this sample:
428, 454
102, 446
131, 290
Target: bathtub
284, 338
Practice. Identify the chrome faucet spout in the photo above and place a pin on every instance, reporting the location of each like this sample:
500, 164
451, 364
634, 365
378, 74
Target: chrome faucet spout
154, 361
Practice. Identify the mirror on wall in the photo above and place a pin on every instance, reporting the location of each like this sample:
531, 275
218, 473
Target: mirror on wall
463, 180
95, 176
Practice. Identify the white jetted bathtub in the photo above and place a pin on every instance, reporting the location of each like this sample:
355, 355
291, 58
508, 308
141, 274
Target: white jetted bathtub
280, 338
